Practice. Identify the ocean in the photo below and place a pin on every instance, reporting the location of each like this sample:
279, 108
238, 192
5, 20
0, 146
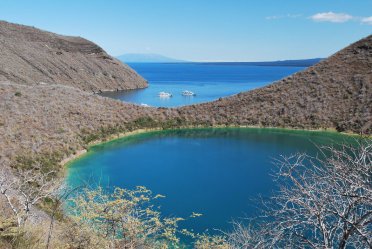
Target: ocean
209, 81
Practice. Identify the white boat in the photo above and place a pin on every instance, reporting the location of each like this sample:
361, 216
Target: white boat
144, 105
164, 95
188, 93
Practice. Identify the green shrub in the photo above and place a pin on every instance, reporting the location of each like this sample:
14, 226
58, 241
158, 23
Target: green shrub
43, 162
145, 122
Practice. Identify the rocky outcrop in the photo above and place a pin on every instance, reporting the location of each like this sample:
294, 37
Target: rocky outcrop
29, 55
335, 93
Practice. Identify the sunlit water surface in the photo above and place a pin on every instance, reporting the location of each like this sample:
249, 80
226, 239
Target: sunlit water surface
209, 81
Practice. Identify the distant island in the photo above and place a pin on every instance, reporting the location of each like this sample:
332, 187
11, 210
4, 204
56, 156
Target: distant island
157, 58
147, 58
282, 63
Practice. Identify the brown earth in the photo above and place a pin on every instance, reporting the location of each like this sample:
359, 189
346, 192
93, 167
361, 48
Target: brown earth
29, 55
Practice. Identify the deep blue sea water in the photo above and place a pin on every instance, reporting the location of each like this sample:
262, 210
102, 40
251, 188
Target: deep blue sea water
217, 172
209, 81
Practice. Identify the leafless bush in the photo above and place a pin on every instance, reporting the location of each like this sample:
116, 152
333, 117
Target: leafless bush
323, 202
24, 189
245, 237
123, 218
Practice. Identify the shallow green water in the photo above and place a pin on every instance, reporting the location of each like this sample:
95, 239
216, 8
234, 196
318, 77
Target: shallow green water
216, 172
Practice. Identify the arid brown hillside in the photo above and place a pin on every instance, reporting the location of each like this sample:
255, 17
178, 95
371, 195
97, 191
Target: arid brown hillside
48, 119
335, 93
29, 55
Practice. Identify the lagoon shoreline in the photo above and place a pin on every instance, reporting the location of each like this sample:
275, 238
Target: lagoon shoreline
80, 153
213, 156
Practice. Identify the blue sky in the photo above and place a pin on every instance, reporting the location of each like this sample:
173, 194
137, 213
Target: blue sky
203, 30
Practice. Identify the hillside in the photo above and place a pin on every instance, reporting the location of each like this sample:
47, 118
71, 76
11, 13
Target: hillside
29, 55
335, 93
55, 121
39, 119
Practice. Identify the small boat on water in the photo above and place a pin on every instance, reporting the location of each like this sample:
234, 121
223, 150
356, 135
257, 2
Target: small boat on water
188, 93
144, 105
164, 95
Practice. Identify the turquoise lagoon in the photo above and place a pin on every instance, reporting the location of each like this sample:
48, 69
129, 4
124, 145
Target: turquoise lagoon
218, 172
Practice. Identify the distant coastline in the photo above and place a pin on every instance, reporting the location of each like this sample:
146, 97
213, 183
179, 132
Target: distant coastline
284, 63
157, 58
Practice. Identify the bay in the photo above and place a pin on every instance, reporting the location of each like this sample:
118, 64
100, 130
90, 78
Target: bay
209, 81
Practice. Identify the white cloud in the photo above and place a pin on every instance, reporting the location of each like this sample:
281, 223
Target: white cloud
326, 17
367, 20
331, 17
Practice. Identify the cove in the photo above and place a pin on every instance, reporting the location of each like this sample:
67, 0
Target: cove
218, 172
209, 81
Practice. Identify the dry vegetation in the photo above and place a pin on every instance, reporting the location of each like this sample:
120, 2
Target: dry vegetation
335, 93
47, 123
43, 123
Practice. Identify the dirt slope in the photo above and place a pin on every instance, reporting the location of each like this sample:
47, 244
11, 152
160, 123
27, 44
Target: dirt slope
29, 55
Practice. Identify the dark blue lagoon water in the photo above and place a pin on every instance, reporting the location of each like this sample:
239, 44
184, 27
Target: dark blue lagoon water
215, 172
209, 81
